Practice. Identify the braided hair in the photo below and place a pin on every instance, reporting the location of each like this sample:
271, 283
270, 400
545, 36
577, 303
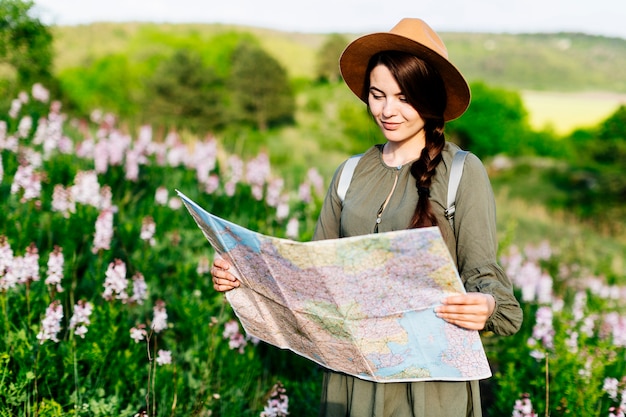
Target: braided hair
423, 88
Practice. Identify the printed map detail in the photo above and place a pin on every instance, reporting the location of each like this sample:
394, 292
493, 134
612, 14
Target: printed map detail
359, 305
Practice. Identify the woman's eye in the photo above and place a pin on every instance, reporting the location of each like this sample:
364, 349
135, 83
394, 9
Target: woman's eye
403, 99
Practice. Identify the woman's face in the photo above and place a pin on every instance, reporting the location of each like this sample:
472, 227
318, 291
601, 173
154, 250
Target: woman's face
398, 120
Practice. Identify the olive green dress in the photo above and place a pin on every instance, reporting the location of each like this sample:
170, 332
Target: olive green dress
474, 251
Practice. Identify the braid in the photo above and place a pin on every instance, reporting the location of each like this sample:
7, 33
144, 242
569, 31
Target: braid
423, 170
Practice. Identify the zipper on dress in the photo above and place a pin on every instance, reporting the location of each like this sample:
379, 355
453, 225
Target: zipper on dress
379, 215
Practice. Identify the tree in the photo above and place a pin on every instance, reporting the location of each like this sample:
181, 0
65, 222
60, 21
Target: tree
260, 88
328, 58
25, 44
183, 92
496, 122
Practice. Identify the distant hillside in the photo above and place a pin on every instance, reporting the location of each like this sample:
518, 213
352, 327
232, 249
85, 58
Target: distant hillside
551, 62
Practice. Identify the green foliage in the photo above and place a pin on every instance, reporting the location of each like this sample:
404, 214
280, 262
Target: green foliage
109, 83
25, 47
260, 90
327, 68
183, 93
496, 122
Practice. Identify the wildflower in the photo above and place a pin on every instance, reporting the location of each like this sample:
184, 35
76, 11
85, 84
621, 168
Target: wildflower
101, 157
132, 165
63, 201
140, 289
204, 159
316, 180
8, 279
257, 173
80, 318
159, 320
40, 93
148, 228
175, 203
282, 210
16, 106
28, 266
292, 228
24, 127
86, 189
212, 184
523, 407
104, 231
28, 180
51, 324
274, 189
236, 340
160, 196
543, 332
610, 387
304, 192
138, 333
164, 357
277, 403
55, 268
115, 282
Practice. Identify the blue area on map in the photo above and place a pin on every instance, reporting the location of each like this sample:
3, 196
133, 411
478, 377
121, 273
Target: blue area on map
424, 348
230, 234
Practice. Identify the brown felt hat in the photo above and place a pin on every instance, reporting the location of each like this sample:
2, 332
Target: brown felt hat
413, 36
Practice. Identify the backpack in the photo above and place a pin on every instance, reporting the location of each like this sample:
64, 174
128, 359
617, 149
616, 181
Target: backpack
455, 178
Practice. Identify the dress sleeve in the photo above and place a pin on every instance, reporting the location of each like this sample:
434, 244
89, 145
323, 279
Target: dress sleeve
329, 221
476, 248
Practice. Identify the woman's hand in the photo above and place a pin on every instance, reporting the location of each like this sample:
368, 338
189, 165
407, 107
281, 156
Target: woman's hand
469, 311
222, 279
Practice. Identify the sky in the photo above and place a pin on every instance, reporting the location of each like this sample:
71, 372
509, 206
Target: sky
594, 17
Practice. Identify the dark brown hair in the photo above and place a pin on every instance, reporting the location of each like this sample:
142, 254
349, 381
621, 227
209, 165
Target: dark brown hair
423, 88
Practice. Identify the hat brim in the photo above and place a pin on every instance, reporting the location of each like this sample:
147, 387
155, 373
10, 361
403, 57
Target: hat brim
355, 58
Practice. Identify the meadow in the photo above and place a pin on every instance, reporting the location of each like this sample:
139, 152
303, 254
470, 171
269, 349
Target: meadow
107, 303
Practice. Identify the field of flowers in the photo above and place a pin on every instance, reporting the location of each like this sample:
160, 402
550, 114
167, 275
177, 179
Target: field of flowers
107, 307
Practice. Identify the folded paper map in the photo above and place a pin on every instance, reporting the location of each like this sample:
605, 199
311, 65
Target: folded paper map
360, 305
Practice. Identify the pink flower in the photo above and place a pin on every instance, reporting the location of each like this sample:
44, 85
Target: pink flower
115, 282
148, 228
40, 93
292, 228
523, 407
164, 357
8, 279
28, 180
104, 231
86, 189
159, 320
161, 196
55, 268
138, 333
80, 318
63, 201
277, 403
140, 289
51, 324
27, 267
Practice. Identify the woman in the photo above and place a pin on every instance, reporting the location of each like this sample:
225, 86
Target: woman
411, 90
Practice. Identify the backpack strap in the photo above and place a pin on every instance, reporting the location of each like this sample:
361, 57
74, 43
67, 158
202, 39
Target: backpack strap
456, 171
346, 175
